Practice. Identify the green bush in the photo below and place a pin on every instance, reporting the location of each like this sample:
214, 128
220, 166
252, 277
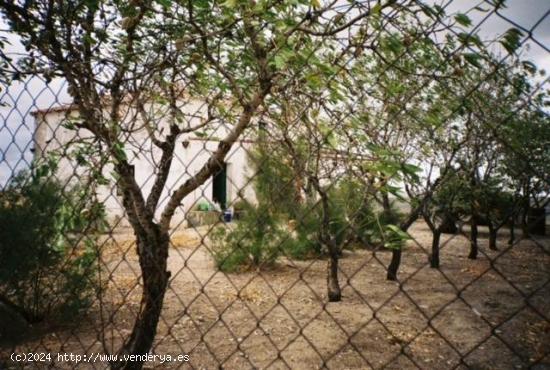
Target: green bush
255, 241
282, 224
266, 231
48, 236
302, 241
351, 219
275, 182
385, 231
354, 209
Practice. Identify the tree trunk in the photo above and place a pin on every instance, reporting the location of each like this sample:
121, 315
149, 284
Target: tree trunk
404, 226
333, 287
396, 253
492, 237
28, 316
394, 264
434, 257
326, 238
153, 254
525, 219
512, 226
473, 239
448, 225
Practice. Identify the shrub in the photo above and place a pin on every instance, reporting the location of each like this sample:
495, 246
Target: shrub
351, 219
385, 231
276, 182
354, 209
47, 247
302, 242
255, 241
239, 208
264, 232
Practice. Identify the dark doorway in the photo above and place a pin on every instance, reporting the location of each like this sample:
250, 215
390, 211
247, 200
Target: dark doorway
219, 187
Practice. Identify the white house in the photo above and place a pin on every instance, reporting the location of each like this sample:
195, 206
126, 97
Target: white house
192, 151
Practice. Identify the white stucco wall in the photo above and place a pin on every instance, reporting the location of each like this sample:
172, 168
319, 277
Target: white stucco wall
51, 137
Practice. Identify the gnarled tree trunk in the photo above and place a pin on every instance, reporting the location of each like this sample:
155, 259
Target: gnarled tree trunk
492, 237
396, 253
473, 239
394, 264
448, 224
153, 254
333, 287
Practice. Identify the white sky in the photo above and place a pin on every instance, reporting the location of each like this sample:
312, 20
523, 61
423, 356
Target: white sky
525, 13
17, 126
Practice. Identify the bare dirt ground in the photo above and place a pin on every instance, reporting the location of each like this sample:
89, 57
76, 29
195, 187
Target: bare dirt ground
480, 310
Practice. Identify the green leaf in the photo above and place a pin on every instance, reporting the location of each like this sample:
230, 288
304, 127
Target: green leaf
279, 61
164, 3
473, 59
511, 40
395, 191
426, 9
118, 151
314, 81
468, 39
230, 3
398, 232
411, 169
440, 11
529, 66
463, 19
497, 3
332, 141
394, 44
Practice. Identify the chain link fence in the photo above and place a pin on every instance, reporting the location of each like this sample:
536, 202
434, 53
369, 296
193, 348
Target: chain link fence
274, 185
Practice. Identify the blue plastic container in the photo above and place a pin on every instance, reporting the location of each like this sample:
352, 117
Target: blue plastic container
227, 216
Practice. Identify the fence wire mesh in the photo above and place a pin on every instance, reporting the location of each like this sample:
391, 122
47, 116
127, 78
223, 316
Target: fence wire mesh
274, 185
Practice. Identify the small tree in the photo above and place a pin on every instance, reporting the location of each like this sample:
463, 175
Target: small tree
255, 242
48, 247
497, 190
447, 203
